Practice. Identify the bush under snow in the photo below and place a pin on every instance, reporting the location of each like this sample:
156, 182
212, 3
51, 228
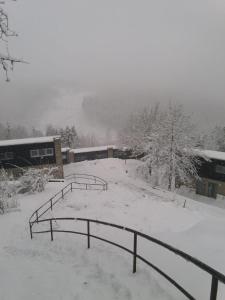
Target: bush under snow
7, 192
34, 180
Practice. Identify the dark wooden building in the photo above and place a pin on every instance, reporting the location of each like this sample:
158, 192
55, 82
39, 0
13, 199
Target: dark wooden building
31, 152
212, 173
92, 153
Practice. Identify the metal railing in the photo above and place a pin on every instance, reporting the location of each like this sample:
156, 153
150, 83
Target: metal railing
216, 276
94, 183
92, 178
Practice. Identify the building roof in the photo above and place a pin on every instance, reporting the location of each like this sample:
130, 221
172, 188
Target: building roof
65, 149
214, 154
93, 149
210, 154
36, 140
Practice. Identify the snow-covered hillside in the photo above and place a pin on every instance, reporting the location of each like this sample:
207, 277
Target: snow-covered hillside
65, 269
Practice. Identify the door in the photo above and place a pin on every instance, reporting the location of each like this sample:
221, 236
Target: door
212, 190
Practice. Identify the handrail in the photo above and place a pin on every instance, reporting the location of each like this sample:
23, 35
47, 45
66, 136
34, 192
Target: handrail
35, 219
98, 184
86, 176
216, 276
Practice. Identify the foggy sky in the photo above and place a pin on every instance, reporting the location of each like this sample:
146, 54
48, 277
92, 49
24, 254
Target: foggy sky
161, 49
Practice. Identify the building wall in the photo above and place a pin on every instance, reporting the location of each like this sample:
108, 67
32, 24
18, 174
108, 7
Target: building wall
22, 156
110, 152
58, 157
23, 159
220, 186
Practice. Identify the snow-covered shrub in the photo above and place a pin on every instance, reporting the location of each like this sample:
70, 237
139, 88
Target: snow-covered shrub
34, 180
7, 192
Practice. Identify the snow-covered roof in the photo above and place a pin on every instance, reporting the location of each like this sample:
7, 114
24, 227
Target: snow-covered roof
65, 149
36, 140
93, 149
214, 154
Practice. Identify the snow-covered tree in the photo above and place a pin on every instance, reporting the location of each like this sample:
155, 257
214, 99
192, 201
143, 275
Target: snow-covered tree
215, 140
34, 180
10, 131
88, 140
36, 132
51, 130
166, 141
177, 152
139, 130
69, 137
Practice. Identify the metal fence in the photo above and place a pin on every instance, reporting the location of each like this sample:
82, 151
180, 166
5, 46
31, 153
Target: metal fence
93, 183
216, 277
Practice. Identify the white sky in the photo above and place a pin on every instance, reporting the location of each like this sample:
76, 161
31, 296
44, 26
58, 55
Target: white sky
172, 47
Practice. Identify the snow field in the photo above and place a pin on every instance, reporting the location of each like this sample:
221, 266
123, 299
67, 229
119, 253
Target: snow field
65, 269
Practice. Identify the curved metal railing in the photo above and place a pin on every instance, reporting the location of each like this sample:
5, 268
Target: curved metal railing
95, 179
216, 276
94, 183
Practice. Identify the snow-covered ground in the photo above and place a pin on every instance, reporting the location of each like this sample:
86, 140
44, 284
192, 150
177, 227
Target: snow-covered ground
65, 269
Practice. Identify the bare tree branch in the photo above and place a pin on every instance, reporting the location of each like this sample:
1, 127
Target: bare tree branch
6, 60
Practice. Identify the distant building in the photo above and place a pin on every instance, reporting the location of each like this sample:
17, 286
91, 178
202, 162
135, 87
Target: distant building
211, 173
91, 153
31, 152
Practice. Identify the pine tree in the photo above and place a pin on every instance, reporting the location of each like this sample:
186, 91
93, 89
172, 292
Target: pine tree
177, 149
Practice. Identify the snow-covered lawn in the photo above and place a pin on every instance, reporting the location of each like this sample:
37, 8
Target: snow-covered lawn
65, 269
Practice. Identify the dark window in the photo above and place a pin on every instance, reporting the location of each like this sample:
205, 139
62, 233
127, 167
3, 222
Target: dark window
6, 156
220, 169
34, 153
49, 151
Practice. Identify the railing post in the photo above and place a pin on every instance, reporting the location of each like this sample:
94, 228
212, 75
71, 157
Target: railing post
62, 194
88, 234
214, 288
135, 253
51, 203
31, 234
86, 186
51, 229
37, 216
71, 186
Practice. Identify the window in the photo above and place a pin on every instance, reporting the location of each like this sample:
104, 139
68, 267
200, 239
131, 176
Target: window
34, 153
220, 169
49, 151
42, 152
6, 156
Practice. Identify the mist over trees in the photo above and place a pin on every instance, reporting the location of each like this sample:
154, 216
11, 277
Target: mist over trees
214, 140
10, 131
